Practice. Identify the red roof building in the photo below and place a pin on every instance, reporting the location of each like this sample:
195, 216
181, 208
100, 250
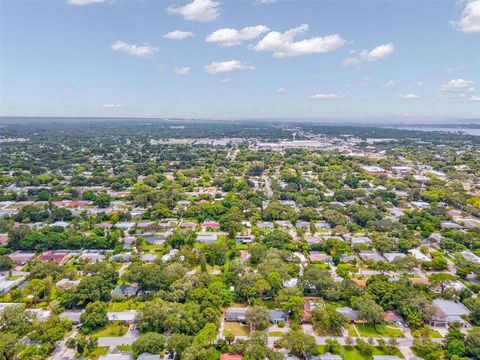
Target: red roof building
211, 225
230, 357
3, 239
58, 256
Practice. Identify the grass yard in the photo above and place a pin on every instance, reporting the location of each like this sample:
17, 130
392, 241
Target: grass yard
426, 331
152, 247
99, 351
351, 331
124, 347
368, 330
351, 353
113, 329
125, 305
323, 266
237, 328
275, 333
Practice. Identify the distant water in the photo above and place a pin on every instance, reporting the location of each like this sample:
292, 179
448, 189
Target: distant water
465, 131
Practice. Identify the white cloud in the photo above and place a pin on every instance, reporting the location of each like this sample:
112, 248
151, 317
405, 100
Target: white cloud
177, 35
388, 85
458, 85
85, 2
223, 67
281, 90
419, 83
226, 81
232, 37
144, 50
283, 44
455, 69
378, 53
327, 96
264, 2
475, 98
181, 70
470, 20
112, 106
408, 97
198, 10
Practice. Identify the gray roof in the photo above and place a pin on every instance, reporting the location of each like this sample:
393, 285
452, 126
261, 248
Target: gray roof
348, 312
451, 308
386, 357
148, 356
277, 315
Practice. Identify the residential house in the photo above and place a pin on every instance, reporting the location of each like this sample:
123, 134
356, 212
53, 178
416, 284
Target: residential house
345, 258
286, 224
393, 256
122, 257
244, 239
206, 238
92, 256
448, 311
386, 357
125, 291
448, 225
210, 225
370, 255
417, 254
350, 314
277, 316
148, 258
469, 256
236, 314
245, 255
58, 256
265, 225
230, 357
322, 225
148, 356
316, 256
360, 240
156, 239
21, 257
126, 316
312, 240
304, 225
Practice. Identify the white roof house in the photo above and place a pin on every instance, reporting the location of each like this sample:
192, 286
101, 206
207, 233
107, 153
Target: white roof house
417, 254
122, 315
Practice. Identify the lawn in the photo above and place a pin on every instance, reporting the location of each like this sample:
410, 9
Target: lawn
426, 331
113, 329
351, 353
351, 330
237, 328
99, 351
152, 247
368, 330
275, 333
125, 305
124, 347
323, 266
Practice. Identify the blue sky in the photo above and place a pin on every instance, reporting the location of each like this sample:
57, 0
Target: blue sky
240, 59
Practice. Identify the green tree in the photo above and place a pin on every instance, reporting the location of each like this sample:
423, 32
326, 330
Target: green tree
298, 343
326, 319
472, 343
368, 309
258, 317
94, 316
8, 345
150, 342
5, 263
